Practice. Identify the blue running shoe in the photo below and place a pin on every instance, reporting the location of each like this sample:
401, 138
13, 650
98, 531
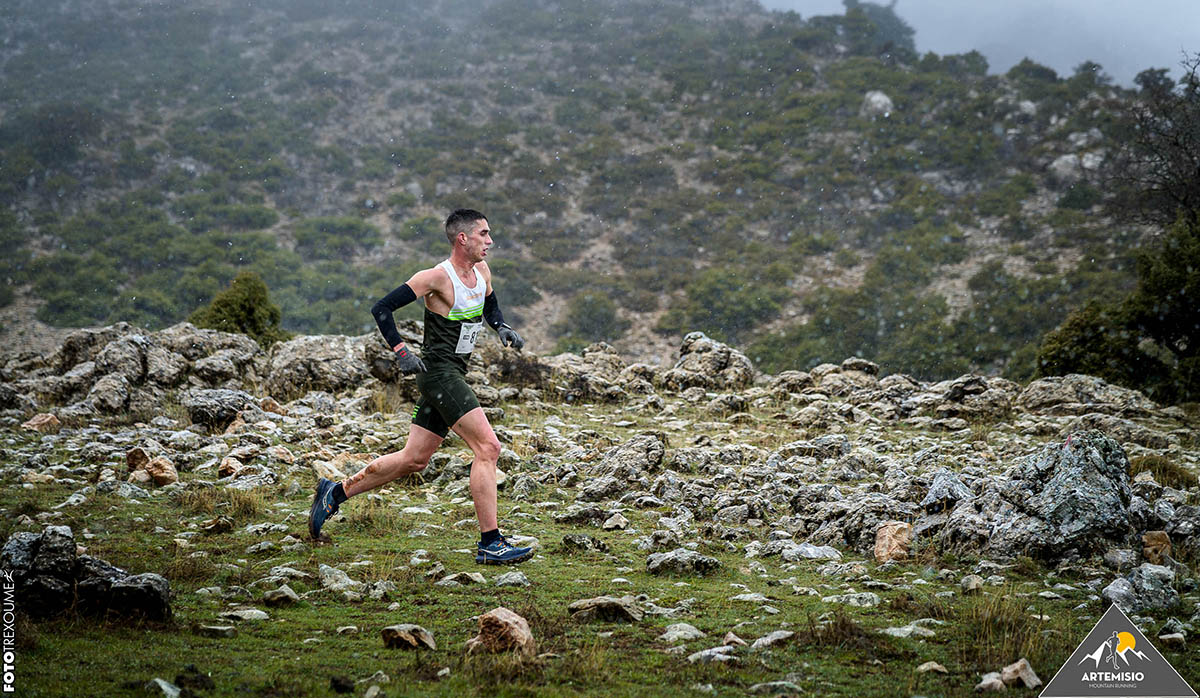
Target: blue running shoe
323, 507
501, 552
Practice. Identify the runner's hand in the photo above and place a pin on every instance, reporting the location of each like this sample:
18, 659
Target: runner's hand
409, 362
509, 337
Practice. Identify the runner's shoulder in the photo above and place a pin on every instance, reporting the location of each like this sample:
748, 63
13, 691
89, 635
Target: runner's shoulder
482, 268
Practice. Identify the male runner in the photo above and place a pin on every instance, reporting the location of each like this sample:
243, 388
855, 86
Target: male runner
458, 299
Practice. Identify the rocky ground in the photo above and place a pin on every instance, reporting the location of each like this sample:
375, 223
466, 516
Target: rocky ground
700, 529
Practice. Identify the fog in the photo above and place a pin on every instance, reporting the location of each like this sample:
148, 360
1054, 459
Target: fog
1124, 37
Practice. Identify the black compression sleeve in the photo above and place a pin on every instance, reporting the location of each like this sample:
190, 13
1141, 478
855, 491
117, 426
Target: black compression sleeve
491, 311
383, 309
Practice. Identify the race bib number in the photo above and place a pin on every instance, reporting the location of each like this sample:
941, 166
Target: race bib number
467, 336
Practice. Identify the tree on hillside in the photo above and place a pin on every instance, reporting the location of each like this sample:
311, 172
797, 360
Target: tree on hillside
891, 33
1155, 173
1151, 339
244, 307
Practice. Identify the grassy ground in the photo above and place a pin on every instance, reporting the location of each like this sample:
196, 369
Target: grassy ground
836, 650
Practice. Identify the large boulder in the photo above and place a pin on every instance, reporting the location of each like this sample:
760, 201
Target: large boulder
1147, 588
1079, 489
215, 408
707, 363
50, 578
332, 363
1077, 394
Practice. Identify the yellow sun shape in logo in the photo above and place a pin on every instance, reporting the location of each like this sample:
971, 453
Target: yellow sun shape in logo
1125, 641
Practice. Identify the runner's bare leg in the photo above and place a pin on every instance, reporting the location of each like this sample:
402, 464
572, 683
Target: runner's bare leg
413, 458
475, 429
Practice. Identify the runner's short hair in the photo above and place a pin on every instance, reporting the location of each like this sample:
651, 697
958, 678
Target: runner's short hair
461, 221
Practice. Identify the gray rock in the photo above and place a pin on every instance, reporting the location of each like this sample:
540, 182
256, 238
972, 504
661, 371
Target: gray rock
146, 594
283, 596
720, 655
337, 580
407, 636
162, 687
55, 553
771, 639
863, 599
606, 608
1077, 492
1146, 588
681, 561
793, 552
516, 578
680, 632
215, 408
246, 614
944, 492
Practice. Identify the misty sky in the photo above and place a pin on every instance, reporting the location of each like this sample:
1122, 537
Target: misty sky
1123, 36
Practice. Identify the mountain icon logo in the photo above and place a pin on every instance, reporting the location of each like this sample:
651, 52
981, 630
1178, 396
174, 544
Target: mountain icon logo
1116, 659
1115, 648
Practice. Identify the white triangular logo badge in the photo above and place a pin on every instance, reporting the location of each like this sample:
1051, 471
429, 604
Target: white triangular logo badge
1116, 659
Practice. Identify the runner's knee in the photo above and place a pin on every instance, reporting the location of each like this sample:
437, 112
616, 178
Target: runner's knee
488, 450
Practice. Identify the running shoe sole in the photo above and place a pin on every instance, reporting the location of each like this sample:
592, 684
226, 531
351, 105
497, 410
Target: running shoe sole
486, 560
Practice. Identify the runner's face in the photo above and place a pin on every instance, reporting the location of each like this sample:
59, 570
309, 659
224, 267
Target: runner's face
478, 241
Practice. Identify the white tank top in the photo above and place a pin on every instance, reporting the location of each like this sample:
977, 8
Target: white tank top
468, 302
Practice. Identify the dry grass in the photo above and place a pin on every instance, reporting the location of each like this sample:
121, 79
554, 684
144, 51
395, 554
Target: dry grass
1165, 471
235, 504
996, 630
374, 517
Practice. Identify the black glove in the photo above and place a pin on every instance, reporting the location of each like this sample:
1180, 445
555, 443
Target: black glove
509, 337
409, 362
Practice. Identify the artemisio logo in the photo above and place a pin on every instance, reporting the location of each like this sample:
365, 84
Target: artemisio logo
1116, 659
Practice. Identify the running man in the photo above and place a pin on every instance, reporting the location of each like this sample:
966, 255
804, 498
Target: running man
458, 299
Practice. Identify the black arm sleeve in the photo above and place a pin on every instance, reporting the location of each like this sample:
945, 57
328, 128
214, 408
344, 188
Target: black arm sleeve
383, 309
491, 311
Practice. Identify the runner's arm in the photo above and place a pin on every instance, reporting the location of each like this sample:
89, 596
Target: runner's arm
420, 285
493, 316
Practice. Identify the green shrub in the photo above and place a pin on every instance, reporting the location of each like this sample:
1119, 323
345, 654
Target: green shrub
245, 307
591, 317
335, 238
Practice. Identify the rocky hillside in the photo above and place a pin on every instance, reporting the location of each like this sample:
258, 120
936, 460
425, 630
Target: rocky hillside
699, 527
806, 188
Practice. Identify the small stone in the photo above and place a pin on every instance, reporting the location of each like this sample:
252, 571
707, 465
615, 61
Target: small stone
245, 614
407, 636
1174, 641
502, 630
516, 578
722, 654
680, 632
772, 639
347, 630
283, 596
990, 682
1020, 671
732, 639
971, 584
864, 599
931, 666
221, 631
616, 522
892, 541
162, 687
606, 608
375, 679
776, 688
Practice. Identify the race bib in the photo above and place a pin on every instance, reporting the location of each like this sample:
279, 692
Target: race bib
467, 336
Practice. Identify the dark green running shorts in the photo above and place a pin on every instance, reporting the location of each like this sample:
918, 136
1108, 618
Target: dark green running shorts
445, 398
